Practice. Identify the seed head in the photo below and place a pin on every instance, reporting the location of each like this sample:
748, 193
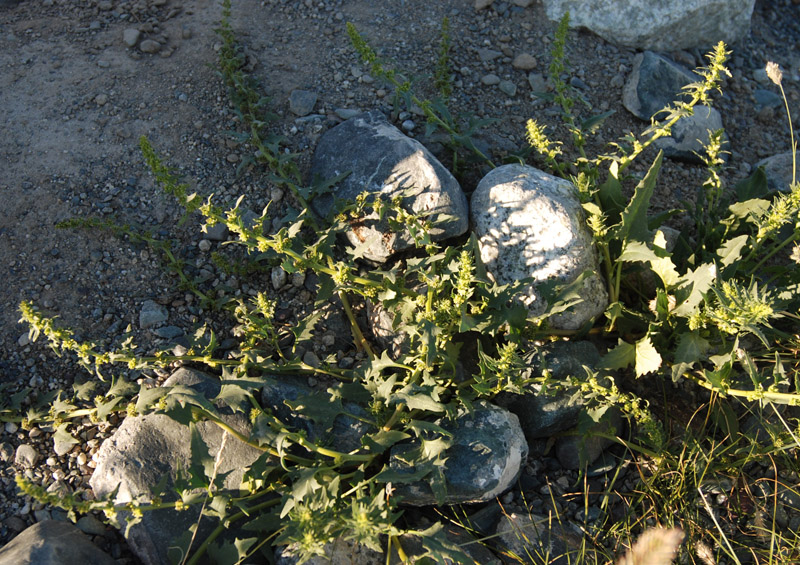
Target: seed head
774, 73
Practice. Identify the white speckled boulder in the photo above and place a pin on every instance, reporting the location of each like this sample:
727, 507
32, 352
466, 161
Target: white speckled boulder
660, 25
531, 224
384, 161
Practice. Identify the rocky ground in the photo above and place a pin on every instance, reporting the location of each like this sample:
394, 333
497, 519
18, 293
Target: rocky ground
81, 81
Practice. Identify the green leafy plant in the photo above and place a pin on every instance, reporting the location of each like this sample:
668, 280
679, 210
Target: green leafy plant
718, 311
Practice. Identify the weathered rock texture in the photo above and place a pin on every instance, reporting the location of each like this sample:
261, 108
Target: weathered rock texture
487, 452
544, 415
531, 224
661, 25
53, 542
146, 448
654, 82
384, 162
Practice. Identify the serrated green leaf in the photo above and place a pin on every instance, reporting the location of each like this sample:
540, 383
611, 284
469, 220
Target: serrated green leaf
235, 393
105, 408
148, 397
692, 347
692, 287
60, 406
318, 406
201, 464
62, 436
84, 391
753, 208
121, 387
440, 548
362, 248
419, 402
648, 360
731, 250
633, 225
304, 328
622, 356
383, 440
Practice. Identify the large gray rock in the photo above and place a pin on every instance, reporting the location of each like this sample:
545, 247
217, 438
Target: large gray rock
778, 169
531, 224
383, 161
690, 135
52, 542
529, 538
655, 82
344, 433
661, 25
146, 448
487, 452
542, 415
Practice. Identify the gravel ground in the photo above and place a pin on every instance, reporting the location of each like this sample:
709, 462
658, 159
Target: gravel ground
75, 99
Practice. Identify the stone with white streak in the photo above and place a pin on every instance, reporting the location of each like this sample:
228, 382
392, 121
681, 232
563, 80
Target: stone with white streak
660, 25
531, 224
384, 162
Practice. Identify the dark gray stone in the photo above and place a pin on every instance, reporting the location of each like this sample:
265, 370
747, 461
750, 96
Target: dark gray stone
344, 435
145, 448
778, 169
152, 314
570, 448
52, 542
301, 102
487, 452
691, 135
542, 415
217, 232
666, 25
655, 82
531, 224
767, 99
530, 538
383, 161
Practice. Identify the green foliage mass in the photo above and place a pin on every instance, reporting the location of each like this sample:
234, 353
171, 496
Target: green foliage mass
719, 310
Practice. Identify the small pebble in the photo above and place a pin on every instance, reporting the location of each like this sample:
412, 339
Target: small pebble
507, 87
490, 79
150, 46
310, 358
524, 61
204, 245
278, 277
